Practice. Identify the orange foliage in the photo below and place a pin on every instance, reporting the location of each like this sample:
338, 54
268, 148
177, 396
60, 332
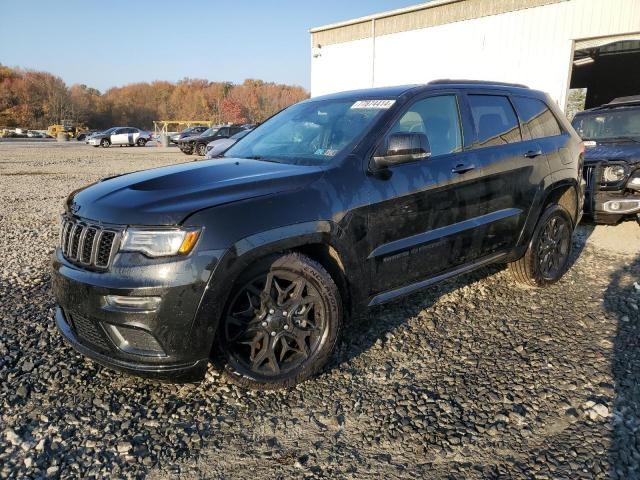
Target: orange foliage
37, 99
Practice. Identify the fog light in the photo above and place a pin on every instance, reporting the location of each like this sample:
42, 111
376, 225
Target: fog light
622, 206
135, 340
139, 304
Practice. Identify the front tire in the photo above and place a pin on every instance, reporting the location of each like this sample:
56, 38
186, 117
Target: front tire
141, 142
281, 324
201, 149
547, 258
105, 143
187, 151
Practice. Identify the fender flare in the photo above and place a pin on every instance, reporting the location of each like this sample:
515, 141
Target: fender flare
247, 250
547, 188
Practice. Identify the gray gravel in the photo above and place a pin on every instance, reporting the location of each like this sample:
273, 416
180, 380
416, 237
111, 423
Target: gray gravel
471, 379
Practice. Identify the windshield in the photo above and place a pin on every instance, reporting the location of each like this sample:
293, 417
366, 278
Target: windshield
111, 130
209, 132
608, 125
310, 132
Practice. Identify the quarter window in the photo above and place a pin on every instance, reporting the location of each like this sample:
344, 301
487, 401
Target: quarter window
537, 118
436, 117
494, 119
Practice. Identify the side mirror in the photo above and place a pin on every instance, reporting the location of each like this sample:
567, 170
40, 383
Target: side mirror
402, 148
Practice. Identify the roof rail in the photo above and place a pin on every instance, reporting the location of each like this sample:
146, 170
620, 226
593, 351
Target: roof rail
448, 81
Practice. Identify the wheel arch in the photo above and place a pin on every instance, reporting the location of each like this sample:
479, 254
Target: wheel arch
317, 240
565, 191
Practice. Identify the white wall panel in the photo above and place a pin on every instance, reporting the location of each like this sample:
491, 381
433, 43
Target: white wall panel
531, 46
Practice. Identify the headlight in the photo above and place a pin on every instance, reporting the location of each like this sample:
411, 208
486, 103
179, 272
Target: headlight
614, 173
160, 243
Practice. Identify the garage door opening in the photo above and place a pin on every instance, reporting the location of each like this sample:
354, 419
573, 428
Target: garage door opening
607, 68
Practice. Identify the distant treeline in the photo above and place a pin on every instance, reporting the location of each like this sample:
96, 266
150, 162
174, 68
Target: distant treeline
33, 99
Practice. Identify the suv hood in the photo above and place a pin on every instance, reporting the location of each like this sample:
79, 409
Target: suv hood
167, 195
626, 151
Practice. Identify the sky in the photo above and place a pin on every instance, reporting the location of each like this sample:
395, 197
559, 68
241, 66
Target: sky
116, 42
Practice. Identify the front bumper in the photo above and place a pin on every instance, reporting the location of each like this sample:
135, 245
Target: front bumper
168, 343
179, 372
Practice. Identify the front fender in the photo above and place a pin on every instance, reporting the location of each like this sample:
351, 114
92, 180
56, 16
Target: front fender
249, 249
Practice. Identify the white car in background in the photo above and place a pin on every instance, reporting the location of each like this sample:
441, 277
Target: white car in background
120, 136
219, 146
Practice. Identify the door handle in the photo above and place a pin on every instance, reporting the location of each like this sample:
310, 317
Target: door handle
533, 153
463, 168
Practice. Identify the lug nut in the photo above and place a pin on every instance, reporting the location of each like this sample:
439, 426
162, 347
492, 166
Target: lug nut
272, 311
264, 324
286, 327
284, 313
273, 334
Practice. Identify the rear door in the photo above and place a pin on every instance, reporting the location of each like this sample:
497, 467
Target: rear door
132, 135
510, 168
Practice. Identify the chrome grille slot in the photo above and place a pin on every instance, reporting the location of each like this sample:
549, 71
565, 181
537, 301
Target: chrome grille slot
588, 175
105, 247
88, 244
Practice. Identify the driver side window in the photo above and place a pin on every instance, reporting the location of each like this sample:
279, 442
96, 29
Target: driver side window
436, 117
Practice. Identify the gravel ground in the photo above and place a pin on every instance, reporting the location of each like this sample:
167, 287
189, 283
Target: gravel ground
474, 378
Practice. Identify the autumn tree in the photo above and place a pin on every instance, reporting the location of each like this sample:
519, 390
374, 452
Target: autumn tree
36, 99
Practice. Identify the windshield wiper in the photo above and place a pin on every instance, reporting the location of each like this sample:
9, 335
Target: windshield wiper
258, 157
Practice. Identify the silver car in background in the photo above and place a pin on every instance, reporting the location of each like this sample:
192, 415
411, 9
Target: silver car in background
218, 147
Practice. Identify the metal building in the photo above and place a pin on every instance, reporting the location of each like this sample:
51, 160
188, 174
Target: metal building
552, 45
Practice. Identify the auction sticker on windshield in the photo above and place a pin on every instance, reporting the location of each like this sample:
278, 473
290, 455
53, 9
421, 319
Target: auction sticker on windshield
381, 104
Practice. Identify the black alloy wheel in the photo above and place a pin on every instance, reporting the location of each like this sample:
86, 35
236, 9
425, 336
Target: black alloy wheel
553, 247
548, 256
280, 325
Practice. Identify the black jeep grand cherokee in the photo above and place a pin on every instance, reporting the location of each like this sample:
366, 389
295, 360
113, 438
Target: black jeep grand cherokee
340, 202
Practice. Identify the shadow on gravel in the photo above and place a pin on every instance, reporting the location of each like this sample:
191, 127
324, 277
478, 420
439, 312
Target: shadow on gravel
371, 327
621, 301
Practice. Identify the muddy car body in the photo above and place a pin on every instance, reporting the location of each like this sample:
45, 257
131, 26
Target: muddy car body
335, 204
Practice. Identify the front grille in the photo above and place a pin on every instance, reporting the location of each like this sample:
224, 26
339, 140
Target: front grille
88, 244
89, 331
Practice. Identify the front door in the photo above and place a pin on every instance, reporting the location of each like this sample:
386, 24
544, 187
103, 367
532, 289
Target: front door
119, 137
424, 214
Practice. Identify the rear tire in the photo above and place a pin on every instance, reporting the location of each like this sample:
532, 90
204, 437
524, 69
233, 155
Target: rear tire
281, 324
547, 258
105, 143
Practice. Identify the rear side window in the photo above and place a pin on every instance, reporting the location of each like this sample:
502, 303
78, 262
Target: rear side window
436, 117
495, 120
536, 117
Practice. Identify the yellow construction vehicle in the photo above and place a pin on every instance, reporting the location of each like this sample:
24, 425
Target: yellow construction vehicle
66, 126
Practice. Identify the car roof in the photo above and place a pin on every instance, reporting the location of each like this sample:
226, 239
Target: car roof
620, 102
399, 90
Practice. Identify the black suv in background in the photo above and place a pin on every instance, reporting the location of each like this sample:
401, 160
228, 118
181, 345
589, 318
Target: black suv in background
337, 203
188, 132
611, 134
198, 144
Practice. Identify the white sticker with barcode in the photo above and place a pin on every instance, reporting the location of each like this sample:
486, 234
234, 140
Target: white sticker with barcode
381, 104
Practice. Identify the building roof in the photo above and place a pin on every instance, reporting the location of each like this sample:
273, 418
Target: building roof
423, 15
